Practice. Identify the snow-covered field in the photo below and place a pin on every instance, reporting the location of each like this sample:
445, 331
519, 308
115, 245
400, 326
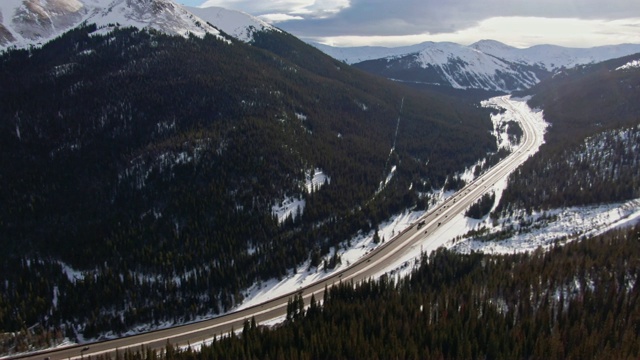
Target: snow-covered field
546, 229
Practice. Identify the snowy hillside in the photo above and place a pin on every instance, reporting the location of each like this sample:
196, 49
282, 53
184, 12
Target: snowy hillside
554, 57
453, 65
465, 68
353, 55
550, 56
25, 21
487, 64
31, 22
608, 155
240, 25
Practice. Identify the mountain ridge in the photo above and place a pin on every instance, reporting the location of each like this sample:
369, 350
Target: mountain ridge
356, 54
238, 24
559, 57
25, 23
487, 64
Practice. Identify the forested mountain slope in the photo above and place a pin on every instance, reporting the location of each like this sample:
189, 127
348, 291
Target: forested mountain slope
588, 99
578, 301
149, 164
592, 153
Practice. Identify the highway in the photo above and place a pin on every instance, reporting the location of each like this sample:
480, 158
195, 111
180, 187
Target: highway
373, 264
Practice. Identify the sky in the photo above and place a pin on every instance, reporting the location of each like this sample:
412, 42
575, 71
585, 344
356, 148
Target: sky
520, 23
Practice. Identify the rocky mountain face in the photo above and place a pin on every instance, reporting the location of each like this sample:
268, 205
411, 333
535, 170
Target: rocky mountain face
32, 19
32, 22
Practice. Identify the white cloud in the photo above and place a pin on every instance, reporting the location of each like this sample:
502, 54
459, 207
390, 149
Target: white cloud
276, 18
515, 31
400, 22
410, 17
294, 8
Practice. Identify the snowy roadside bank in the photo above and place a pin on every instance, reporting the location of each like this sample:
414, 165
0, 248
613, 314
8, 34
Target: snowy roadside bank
526, 233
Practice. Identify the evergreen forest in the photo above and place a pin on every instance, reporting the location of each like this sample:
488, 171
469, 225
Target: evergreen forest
138, 172
576, 301
591, 150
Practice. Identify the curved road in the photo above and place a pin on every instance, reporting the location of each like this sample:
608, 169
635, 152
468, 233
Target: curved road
370, 265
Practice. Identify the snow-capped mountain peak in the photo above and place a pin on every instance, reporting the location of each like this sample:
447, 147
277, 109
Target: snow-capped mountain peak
486, 64
454, 65
491, 46
552, 57
25, 21
238, 24
30, 22
163, 15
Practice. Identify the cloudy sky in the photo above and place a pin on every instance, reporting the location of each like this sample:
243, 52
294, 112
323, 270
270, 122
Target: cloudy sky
522, 23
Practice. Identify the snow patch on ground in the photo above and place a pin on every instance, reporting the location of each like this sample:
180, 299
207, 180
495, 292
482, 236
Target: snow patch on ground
72, 274
630, 65
316, 179
294, 206
517, 107
526, 233
500, 121
289, 207
386, 181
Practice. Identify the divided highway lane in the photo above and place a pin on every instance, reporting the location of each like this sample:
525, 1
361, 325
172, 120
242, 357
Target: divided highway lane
370, 265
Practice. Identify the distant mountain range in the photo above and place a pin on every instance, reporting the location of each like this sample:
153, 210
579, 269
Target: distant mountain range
487, 64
